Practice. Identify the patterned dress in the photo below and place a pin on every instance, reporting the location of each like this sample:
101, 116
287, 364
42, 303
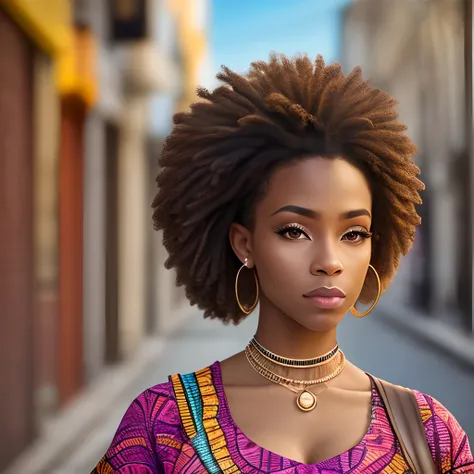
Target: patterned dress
185, 426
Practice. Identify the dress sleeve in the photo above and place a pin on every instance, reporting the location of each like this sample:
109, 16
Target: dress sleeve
133, 446
448, 442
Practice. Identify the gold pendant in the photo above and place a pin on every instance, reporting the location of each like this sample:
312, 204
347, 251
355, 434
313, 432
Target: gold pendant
306, 401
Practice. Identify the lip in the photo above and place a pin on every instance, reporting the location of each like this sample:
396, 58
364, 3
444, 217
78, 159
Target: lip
326, 298
326, 292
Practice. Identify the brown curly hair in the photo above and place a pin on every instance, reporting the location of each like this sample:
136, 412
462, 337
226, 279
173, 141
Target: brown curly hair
219, 158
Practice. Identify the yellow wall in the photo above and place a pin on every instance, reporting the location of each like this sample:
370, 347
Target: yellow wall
47, 22
76, 74
193, 47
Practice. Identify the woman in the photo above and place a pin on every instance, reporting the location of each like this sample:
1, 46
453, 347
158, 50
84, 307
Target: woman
292, 187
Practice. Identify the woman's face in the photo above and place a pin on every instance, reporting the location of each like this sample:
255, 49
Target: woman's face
311, 241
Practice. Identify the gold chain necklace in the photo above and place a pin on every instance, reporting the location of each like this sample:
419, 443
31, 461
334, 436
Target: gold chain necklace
326, 372
306, 400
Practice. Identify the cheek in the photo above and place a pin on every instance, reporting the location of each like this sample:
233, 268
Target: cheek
357, 264
280, 263
359, 256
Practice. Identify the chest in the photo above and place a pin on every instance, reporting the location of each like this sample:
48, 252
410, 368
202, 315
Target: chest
256, 430
270, 418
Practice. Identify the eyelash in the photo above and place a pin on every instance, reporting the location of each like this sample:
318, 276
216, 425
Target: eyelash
360, 231
288, 228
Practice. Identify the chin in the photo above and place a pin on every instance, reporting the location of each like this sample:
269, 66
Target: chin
320, 322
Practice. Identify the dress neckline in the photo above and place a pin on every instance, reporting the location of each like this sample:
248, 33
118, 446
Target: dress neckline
231, 429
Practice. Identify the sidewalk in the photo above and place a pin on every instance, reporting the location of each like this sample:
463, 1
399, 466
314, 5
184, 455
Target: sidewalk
369, 343
432, 329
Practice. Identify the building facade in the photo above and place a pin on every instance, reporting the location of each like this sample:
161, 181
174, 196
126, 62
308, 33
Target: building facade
421, 52
87, 92
35, 38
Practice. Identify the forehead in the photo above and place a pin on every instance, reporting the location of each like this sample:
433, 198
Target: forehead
323, 184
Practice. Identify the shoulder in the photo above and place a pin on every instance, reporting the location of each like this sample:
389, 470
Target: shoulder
156, 406
152, 415
447, 440
163, 406
163, 412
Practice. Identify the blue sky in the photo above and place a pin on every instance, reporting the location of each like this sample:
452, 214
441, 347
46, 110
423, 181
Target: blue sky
246, 30
242, 31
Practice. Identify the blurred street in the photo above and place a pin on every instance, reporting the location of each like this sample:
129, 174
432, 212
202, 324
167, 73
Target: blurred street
91, 316
370, 344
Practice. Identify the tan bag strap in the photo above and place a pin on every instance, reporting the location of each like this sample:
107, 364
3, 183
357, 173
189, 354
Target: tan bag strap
405, 418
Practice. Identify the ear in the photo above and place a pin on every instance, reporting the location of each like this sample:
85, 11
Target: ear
241, 242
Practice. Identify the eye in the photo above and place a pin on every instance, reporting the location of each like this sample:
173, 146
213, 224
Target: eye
356, 235
292, 232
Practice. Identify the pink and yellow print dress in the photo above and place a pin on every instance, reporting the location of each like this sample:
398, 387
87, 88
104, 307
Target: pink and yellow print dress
185, 426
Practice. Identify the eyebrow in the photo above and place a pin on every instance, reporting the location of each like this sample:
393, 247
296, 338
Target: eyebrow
303, 211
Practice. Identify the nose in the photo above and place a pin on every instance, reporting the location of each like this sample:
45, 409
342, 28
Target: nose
326, 262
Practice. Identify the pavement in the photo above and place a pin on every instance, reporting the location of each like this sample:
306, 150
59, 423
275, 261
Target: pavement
370, 343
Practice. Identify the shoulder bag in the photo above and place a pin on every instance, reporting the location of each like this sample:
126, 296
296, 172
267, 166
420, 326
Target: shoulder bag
405, 418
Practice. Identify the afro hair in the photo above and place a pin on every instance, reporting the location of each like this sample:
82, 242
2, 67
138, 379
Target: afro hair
220, 155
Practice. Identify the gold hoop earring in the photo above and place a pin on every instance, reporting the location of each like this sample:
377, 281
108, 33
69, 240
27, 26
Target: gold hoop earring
354, 311
244, 308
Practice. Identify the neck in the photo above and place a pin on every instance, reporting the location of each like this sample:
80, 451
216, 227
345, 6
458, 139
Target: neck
283, 336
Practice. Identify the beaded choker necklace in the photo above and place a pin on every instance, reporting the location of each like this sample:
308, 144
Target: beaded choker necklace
306, 363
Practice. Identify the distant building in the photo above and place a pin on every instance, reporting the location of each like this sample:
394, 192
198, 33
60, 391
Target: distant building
421, 52
83, 283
